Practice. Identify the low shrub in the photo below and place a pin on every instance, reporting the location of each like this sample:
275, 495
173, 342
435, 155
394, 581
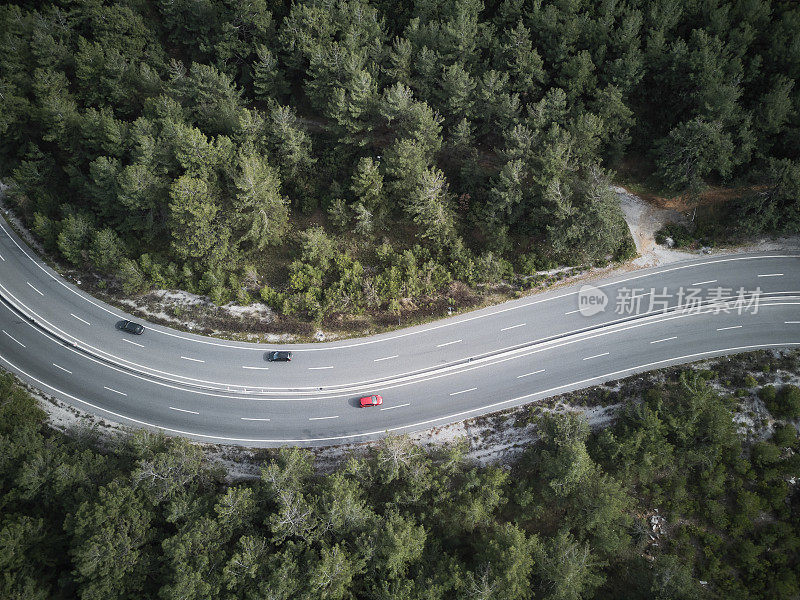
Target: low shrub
679, 233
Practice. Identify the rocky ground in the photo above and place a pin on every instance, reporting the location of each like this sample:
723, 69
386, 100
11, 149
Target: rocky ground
490, 438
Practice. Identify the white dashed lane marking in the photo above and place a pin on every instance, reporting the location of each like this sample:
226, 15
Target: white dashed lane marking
464, 391
256, 368
705, 282
572, 312
731, 327
513, 327
398, 406
448, 343
771, 275
597, 356
321, 418
385, 358
134, 343
674, 337
62, 368
79, 319
791, 322
253, 419
319, 368
529, 374
13, 338
34, 289
192, 359
191, 412
115, 391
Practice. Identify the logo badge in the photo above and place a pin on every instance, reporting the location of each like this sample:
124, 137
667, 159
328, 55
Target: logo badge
591, 300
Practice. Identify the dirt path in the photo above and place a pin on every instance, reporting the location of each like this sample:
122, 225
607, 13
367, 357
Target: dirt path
644, 220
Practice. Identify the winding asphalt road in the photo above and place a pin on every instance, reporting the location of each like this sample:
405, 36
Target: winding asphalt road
64, 342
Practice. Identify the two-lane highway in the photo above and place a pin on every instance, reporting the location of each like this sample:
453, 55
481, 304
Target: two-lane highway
65, 342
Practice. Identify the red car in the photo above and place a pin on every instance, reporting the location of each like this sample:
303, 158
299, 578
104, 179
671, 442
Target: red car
371, 401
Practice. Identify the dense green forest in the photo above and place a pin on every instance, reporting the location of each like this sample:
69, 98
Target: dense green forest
344, 156
668, 503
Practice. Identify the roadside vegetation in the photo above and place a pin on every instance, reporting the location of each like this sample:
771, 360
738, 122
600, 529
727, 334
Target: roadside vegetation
686, 494
337, 158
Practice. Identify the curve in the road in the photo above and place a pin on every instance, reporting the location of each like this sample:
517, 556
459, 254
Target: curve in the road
432, 374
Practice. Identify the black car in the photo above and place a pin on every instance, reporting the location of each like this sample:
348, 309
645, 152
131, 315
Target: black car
131, 327
279, 356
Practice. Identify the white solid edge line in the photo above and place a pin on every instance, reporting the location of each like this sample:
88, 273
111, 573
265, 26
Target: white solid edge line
62, 368
192, 359
772, 275
705, 282
79, 319
319, 368
464, 391
193, 412
385, 358
731, 327
260, 348
115, 391
674, 337
185, 380
34, 289
398, 382
449, 343
256, 368
253, 419
398, 406
412, 425
513, 326
322, 418
495, 360
597, 356
13, 338
531, 373
134, 343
